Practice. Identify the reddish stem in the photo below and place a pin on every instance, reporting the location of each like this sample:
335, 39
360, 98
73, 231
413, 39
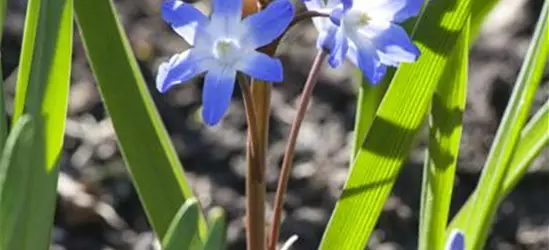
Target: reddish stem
290, 147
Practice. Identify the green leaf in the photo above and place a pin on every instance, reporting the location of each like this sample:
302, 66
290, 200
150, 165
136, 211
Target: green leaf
151, 159
216, 236
42, 92
369, 98
488, 191
534, 137
397, 122
15, 166
445, 125
183, 228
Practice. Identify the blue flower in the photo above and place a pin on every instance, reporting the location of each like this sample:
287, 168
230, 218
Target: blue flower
222, 45
366, 33
456, 241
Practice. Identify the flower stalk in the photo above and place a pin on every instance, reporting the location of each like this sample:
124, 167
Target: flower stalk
290, 147
255, 179
255, 174
255, 162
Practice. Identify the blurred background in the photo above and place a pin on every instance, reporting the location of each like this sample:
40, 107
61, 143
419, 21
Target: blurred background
98, 208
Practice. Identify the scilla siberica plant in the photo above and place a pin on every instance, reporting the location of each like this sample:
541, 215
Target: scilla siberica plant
237, 44
364, 32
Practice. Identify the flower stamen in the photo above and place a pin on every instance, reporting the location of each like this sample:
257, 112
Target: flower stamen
226, 50
355, 19
364, 19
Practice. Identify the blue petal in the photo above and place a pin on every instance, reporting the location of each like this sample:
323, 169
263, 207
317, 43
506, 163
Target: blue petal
226, 14
392, 42
267, 25
347, 4
183, 18
369, 62
339, 51
336, 16
456, 241
181, 68
217, 93
327, 38
261, 66
339, 11
391, 10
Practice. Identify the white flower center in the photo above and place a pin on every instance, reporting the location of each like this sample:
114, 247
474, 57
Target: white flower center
355, 19
226, 50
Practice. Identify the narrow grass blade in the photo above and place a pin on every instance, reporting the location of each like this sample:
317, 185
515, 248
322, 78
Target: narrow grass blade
30, 30
151, 159
15, 166
533, 139
216, 236
486, 196
42, 92
183, 228
397, 122
445, 125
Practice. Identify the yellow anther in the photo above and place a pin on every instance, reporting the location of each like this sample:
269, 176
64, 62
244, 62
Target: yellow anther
364, 19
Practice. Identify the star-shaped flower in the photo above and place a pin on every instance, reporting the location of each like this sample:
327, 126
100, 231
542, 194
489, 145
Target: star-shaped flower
366, 33
222, 45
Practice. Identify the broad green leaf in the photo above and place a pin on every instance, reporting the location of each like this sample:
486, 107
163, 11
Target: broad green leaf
148, 152
42, 92
216, 236
369, 98
397, 122
15, 166
534, 137
183, 228
445, 125
486, 197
